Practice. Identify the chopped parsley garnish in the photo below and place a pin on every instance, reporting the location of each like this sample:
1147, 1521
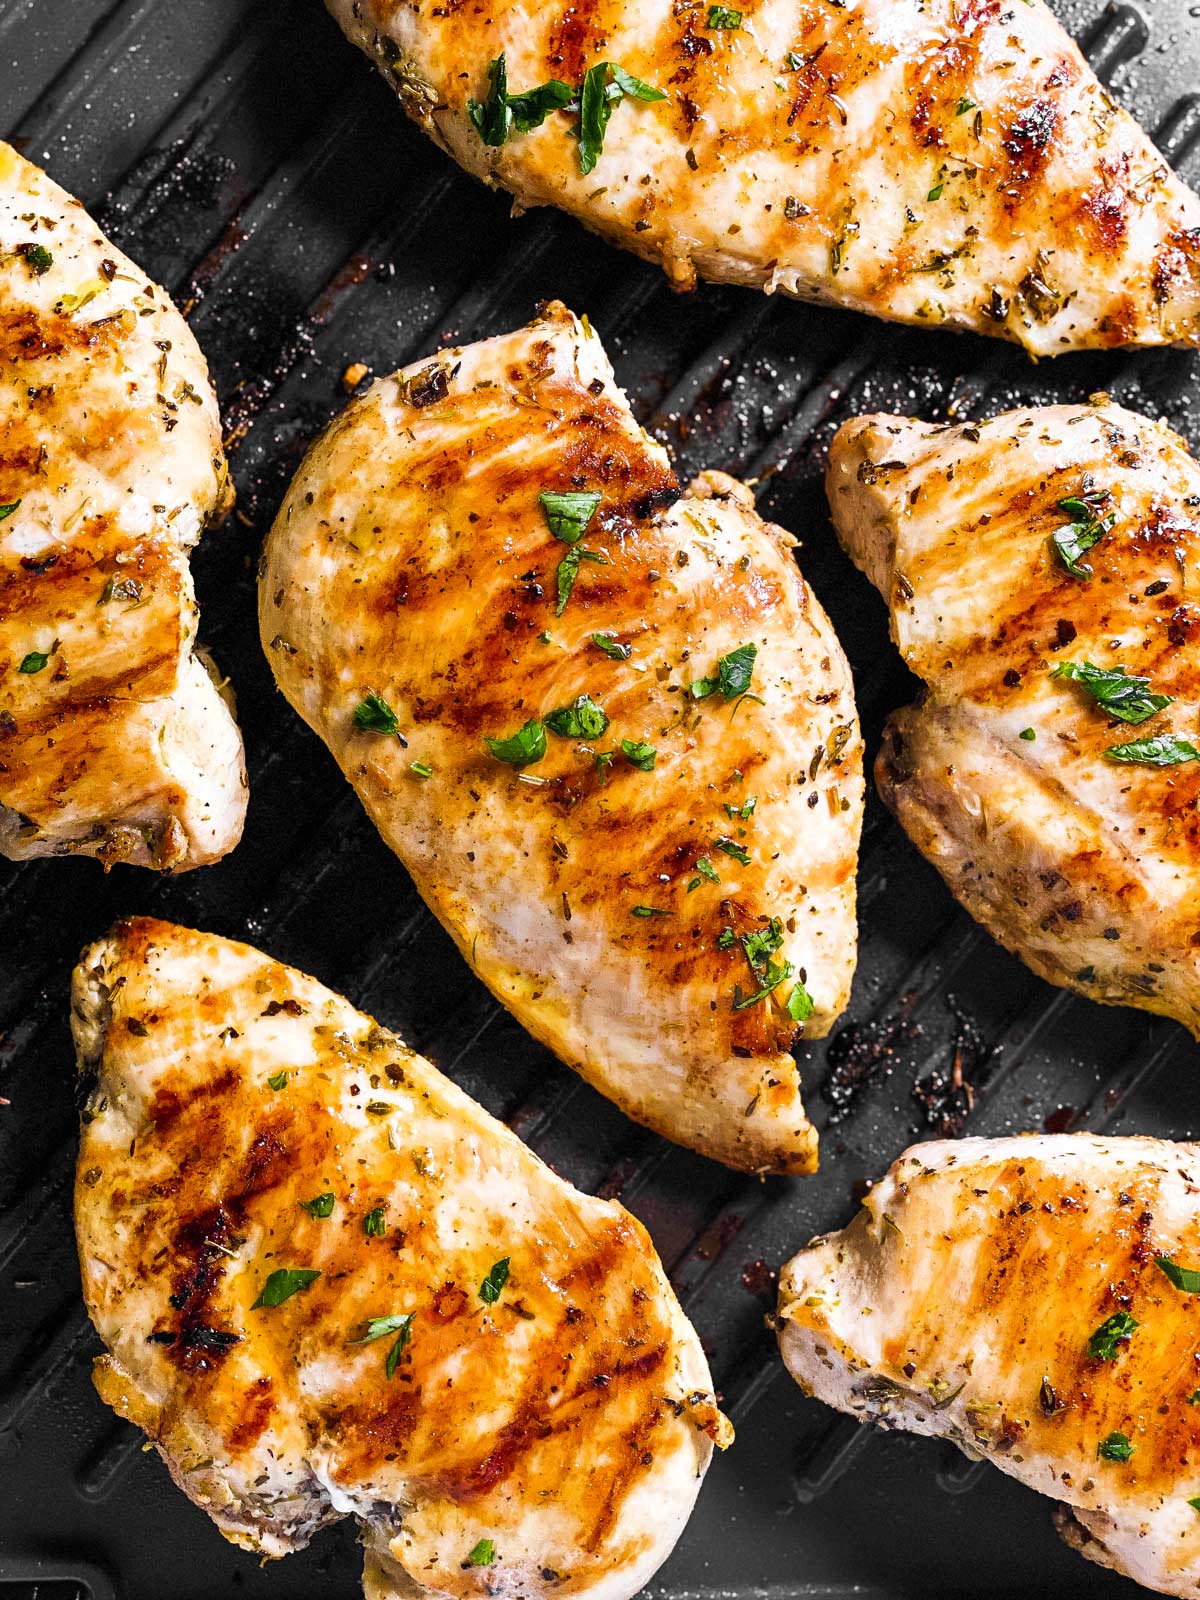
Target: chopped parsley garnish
1195, 1503
743, 812
964, 105
277, 1080
37, 258
730, 677
612, 648
584, 719
35, 661
1028, 734
374, 1223
771, 977
1121, 693
1185, 1278
726, 939
283, 1284
706, 869
800, 1005
569, 515
1194, 1398
722, 19
380, 1327
568, 571
1105, 1343
491, 1287
639, 755
374, 715
320, 1205
604, 760
936, 192
760, 947
421, 769
1115, 1448
7, 511
483, 1555
650, 911
732, 848
1163, 750
522, 748
1092, 520
604, 87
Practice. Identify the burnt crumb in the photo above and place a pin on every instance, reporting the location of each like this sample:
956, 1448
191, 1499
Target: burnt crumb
862, 1053
946, 1095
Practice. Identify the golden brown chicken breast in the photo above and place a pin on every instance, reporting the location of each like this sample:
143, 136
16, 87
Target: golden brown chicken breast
115, 739
330, 1284
1038, 569
1034, 1300
951, 163
608, 729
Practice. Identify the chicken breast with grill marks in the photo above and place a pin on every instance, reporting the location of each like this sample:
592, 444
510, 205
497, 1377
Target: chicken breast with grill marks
1039, 569
1037, 1302
942, 162
331, 1284
116, 740
620, 759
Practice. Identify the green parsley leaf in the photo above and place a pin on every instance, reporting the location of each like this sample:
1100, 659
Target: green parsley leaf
1194, 1398
722, 19
1121, 693
773, 976
650, 911
37, 258
530, 110
1092, 521
584, 719
639, 755
936, 192
743, 812
763, 943
492, 120
374, 1223
726, 939
320, 1206
491, 1287
374, 715
277, 1080
732, 848
604, 760
7, 511
964, 105
706, 869
35, 661
568, 516
1195, 1503
380, 1327
595, 109
283, 1284
731, 675
1185, 1278
800, 1005
1104, 1344
421, 769
483, 1555
1115, 1448
1028, 734
568, 571
1163, 750
612, 648
522, 748
635, 88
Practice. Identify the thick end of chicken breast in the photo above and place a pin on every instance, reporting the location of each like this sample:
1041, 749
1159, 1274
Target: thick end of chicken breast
113, 740
1009, 774
666, 896
1029, 1299
330, 1284
931, 161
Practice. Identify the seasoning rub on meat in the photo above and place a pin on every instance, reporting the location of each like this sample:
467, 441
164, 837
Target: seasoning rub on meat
330, 1284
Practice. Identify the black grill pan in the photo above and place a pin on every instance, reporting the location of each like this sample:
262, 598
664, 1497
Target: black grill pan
250, 159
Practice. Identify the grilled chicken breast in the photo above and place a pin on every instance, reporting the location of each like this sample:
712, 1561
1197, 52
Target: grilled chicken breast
1034, 1301
1051, 771
115, 739
621, 761
331, 1284
944, 162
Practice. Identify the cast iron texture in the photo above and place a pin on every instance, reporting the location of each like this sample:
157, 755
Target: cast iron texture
251, 160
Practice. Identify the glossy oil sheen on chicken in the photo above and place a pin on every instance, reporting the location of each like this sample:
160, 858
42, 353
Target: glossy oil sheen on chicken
115, 741
1037, 1301
1018, 774
664, 894
331, 1284
942, 162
